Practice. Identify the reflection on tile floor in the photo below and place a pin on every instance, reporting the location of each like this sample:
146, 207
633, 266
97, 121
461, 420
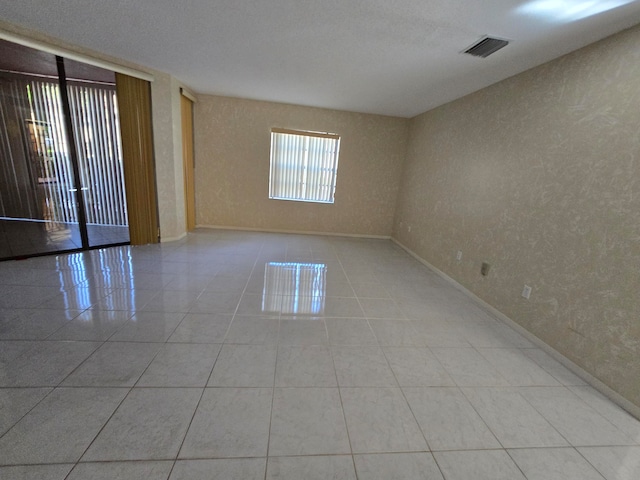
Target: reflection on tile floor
19, 237
232, 355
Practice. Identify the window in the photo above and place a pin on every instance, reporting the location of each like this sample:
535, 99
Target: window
304, 165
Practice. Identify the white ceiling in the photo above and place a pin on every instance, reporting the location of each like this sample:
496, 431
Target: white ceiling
392, 57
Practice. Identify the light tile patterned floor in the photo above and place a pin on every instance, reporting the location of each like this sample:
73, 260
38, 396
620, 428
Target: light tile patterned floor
23, 237
232, 355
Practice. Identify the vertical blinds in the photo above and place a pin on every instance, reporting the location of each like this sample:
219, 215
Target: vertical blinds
134, 105
304, 165
43, 164
96, 123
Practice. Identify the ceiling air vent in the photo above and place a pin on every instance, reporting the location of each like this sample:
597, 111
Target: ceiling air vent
486, 46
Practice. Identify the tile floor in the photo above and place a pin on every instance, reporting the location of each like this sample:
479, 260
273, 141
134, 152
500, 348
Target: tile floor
233, 355
19, 237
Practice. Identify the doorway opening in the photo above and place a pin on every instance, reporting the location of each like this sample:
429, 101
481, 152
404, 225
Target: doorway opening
186, 106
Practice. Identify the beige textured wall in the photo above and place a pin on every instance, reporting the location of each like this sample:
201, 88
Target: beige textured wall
539, 175
232, 144
167, 134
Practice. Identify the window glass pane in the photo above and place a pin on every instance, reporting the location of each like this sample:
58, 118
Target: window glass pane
44, 177
96, 126
37, 192
303, 167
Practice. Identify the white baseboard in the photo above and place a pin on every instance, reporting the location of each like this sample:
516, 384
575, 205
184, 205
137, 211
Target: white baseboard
298, 232
172, 239
576, 369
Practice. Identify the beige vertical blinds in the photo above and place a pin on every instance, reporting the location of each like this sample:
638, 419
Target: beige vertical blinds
134, 104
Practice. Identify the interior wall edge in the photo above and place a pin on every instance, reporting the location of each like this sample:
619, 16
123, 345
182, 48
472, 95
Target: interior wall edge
603, 388
173, 239
535, 175
297, 232
187, 92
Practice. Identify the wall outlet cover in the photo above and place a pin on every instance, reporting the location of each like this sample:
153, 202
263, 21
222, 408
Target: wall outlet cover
484, 269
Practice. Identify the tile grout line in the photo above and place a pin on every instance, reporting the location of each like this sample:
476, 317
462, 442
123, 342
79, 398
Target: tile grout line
335, 372
273, 387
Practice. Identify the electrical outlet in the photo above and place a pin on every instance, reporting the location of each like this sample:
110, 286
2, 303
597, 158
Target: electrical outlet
526, 292
459, 255
484, 269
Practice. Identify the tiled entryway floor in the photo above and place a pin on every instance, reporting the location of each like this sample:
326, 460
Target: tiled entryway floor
233, 355
23, 237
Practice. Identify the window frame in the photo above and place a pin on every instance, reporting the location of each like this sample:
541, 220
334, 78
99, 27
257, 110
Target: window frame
321, 187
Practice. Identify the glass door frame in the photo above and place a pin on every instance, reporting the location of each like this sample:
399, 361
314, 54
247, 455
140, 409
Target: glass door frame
73, 154
75, 181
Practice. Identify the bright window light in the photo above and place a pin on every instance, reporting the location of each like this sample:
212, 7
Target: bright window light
304, 166
294, 288
569, 10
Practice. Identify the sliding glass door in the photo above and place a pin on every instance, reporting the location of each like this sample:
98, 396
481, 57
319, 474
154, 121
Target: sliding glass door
96, 127
61, 181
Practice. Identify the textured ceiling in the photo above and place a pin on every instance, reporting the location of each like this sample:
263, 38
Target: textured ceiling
392, 57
